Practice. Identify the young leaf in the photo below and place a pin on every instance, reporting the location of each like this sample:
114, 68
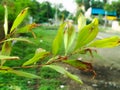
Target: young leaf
87, 34
81, 22
6, 50
58, 39
6, 21
69, 36
19, 19
3, 57
64, 72
106, 42
27, 28
40, 54
17, 39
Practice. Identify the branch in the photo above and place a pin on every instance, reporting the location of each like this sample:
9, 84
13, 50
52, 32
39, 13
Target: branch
59, 59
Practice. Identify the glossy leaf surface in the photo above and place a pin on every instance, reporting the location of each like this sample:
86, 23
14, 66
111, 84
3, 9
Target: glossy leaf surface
6, 20
3, 57
81, 22
58, 39
39, 55
106, 42
87, 34
69, 36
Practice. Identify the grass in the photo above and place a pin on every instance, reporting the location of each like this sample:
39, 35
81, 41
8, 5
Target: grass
50, 78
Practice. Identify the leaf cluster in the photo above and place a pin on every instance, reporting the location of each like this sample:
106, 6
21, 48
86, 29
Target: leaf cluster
74, 42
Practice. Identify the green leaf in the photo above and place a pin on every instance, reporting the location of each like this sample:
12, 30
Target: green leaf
85, 66
64, 72
81, 22
87, 34
69, 36
106, 42
4, 69
6, 21
24, 29
23, 74
6, 50
58, 39
27, 28
3, 57
39, 55
19, 19
52, 59
17, 39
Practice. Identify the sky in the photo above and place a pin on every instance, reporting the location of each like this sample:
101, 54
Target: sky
69, 5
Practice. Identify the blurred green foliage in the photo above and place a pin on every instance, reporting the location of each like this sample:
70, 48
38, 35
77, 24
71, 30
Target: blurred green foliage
40, 12
26, 51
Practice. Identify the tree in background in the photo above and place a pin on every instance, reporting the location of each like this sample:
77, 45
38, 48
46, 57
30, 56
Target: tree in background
14, 7
80, 8
85, 3
63, 14
97, 3
46, 12
114, 6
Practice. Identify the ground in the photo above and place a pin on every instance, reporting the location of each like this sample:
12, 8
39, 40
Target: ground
107, 66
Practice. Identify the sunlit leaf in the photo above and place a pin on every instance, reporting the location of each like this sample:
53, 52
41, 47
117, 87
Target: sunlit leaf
3, 57
27, 28
17, 39
69, 36
19, 19
6, 48
64, 72
39, 55
87, 34
23, 74
81, 22
6, 20
58, 39
106, 42
4, 69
